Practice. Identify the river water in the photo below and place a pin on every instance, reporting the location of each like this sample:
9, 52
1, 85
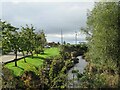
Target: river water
80, 67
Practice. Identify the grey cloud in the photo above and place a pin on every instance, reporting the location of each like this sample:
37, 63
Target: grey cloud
51, 17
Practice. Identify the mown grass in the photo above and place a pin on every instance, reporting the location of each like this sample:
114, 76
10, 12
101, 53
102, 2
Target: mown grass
32, 64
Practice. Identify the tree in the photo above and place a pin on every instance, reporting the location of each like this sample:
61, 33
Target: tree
40, 42
10, 40
14, 43
28, 36
43, 40
103, 25
5, 46
23, 45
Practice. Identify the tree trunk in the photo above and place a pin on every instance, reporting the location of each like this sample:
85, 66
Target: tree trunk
36, 52
24, 56
27, 52
31, 53
16, 58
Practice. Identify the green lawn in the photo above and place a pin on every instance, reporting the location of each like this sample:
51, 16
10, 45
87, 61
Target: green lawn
32, 64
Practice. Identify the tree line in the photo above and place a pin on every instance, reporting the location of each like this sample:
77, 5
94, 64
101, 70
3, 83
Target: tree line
23, 39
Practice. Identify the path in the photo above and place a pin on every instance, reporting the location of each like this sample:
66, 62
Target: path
9, 57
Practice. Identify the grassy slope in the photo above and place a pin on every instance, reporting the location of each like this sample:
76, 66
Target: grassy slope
31, 64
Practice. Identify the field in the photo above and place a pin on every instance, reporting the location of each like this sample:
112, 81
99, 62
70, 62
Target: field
32, 64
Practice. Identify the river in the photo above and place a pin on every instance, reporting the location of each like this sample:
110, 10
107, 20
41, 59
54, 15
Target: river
79, 66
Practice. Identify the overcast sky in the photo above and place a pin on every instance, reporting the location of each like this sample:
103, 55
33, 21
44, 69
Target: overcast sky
52, 17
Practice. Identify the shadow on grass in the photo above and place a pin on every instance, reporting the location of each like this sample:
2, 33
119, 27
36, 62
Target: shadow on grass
37, 57
44, 54
19, 67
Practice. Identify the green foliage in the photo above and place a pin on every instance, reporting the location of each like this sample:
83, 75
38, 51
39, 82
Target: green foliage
59, 81
27, 80
9, 37
28, 35
30, 80
53, 73
9, 80
104, 44
67, 50
23, 41
40, 42
56, 66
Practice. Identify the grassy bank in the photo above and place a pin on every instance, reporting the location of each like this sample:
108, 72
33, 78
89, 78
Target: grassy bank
32, 64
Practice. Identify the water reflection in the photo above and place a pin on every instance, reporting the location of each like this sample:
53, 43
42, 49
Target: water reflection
80, 67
